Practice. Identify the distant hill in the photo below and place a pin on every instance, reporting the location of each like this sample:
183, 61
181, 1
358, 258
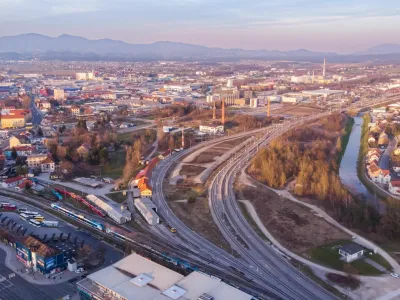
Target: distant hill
381, 49
68, 47
37, 43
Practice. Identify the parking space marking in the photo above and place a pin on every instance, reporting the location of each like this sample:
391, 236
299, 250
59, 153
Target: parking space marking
4, 283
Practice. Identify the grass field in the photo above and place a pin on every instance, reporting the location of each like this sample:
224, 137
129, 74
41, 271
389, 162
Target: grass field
117, 197
116, 165
328, 255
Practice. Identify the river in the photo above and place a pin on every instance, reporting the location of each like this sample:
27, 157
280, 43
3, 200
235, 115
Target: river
348, 167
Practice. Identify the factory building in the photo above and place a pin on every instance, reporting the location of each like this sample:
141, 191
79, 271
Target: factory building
148, 210
40, 257
212, 128
292, 98
136, 277
114, 211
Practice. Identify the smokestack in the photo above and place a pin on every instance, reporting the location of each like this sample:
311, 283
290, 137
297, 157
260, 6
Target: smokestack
324, 70
214, 115
268, 108
183, 140
223, 112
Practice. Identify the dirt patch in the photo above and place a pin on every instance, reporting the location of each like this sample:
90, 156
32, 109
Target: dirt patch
205, 157
293, 225
191, 170
196, 215
295, 110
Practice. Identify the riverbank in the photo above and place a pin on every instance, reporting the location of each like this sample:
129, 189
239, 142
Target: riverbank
361, 166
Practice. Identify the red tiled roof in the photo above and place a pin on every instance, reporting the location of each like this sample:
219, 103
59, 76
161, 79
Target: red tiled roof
13, 179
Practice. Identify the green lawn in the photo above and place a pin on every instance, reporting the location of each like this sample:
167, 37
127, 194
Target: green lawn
126, 136
380, 260
117, 197
328, 255
116, 165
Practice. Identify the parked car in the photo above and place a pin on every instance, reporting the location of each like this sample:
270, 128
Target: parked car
395, 275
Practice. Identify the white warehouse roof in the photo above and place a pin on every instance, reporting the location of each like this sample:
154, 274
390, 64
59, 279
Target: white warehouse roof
135, 277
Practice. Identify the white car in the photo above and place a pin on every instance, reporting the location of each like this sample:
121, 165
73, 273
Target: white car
395, 275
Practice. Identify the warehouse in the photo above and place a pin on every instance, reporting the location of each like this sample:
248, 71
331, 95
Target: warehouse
113, 210
148, 210
137, 277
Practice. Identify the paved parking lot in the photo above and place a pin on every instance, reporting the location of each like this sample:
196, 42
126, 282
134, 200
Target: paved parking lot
18, 289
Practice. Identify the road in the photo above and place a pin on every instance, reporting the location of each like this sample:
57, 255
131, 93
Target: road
37, 116
384, 162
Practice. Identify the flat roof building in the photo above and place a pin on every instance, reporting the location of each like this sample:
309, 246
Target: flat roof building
148, 210
136, 277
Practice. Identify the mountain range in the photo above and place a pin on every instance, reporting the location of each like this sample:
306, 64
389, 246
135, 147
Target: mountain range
70, 47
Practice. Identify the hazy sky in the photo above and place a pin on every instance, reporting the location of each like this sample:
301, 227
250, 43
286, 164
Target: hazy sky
335, 25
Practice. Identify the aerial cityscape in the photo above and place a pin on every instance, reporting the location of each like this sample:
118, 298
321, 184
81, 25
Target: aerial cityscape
157, 151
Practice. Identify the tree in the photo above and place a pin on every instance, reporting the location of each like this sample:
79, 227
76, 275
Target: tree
27, 185
67, 168
26, 101
103, 155
14, 153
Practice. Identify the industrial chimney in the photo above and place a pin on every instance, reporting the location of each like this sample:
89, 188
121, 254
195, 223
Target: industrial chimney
183, 140
223, 112
214, 115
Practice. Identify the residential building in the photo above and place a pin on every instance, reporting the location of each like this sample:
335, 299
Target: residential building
21, 151
136, 277
351, 252
13, 118
75, 110
35, 160
59, 94
12, 182
48, 166
394, 186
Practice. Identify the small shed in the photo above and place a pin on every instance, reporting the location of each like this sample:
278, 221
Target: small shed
351, 252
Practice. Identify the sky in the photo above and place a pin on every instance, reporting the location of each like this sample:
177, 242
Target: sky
342, 26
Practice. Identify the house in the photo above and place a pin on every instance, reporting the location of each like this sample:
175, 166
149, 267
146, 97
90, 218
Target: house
21, 151
394, 186
48, 165
84, 150
395, 165
35, 160
384, 176
16, 141
75, 110
145, 188
12, 182
396, 151
351, 252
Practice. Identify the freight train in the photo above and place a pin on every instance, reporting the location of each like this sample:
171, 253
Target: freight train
95, 209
